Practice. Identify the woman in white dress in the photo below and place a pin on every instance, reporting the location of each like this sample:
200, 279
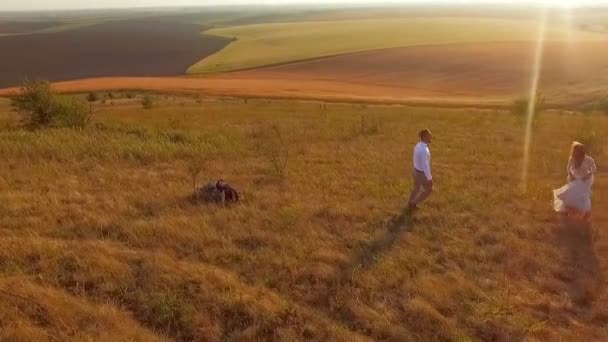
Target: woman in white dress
575, 197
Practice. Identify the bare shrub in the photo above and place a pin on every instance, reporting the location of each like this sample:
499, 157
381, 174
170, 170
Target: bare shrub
195, 168
274, 149
369, 126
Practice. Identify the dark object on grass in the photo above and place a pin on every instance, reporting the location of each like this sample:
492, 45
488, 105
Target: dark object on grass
218, 192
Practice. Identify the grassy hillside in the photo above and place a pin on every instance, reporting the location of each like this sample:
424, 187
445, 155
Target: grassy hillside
267, 44
100, 241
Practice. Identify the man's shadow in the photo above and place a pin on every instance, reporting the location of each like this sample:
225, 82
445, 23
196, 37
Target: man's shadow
368, 255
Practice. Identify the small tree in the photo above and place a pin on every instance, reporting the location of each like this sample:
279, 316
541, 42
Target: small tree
92, 97
35, 103
147, 102
39, 107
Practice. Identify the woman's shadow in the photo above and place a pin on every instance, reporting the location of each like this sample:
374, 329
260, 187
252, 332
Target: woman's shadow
580, 267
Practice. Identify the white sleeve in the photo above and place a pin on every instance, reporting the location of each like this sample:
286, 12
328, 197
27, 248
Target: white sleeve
427, 166
593, 167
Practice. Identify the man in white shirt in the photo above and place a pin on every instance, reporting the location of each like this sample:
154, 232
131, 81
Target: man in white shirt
423, 180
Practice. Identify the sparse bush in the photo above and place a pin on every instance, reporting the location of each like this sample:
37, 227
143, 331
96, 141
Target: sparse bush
147, 102
520, 106
110, 95
129, 95
602, 105
92, 97
39, 107
275, 151
599, 105
72, 112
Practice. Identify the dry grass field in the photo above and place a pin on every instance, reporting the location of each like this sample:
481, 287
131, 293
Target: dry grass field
101, 242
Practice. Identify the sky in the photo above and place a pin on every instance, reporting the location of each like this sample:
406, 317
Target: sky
18, 5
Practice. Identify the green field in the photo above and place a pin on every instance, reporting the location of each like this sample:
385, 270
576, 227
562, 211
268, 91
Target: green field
268, 44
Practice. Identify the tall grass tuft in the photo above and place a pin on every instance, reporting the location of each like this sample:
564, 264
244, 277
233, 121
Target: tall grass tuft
275, 150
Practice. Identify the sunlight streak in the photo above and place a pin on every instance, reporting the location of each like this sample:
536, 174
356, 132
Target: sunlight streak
538, 57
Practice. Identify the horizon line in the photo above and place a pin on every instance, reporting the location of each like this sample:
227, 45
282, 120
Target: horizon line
317, 5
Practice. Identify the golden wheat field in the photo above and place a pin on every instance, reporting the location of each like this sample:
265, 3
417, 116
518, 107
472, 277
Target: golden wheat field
100, 240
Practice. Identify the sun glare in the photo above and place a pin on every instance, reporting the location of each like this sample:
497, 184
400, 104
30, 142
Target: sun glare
566, 16
532, 97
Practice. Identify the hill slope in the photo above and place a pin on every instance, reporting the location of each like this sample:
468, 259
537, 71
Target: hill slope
276, 43
98, 231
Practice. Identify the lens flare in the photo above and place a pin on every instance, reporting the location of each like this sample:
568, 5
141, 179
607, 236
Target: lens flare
532, 97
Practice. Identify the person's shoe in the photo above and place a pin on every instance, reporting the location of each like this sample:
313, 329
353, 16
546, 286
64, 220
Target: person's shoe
411, 206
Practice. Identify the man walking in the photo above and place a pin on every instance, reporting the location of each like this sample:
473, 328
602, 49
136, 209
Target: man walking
423, 180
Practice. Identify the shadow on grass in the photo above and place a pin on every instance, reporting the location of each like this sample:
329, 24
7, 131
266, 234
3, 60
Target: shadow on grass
580, 270
367, 256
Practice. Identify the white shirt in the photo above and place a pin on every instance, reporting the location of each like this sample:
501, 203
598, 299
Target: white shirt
586, 169
422, 159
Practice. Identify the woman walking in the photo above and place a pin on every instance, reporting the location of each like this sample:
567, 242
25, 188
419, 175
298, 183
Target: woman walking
574, 198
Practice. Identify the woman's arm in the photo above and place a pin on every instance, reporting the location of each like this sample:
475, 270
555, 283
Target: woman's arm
592, 166
569, 171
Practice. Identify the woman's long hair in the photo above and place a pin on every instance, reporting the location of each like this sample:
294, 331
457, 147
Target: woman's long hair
578, 154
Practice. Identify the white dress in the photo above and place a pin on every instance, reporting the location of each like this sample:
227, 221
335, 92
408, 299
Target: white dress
577, 193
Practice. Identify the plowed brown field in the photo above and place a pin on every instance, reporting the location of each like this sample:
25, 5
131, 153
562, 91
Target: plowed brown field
141, 47
486, 74
493, 71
